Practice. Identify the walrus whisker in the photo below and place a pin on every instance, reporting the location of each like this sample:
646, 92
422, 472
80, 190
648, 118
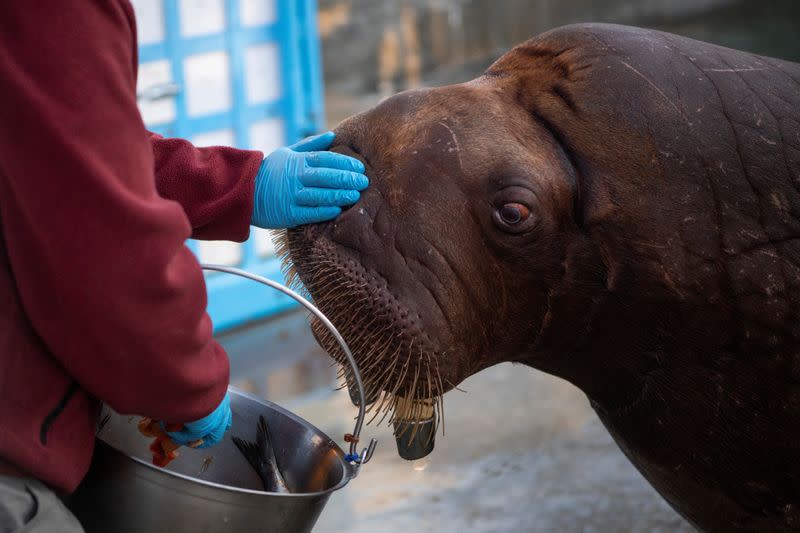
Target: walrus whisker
390, 408
388, 399
372, 365
380, 405
395, 352
404, 370
378, 360
389, 371
428, 380
454, 386
441, 394
389, 368
414, 405
385, 404
386, 357
397, 386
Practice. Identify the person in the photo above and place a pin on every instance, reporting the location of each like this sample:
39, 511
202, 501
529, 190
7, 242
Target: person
100, 299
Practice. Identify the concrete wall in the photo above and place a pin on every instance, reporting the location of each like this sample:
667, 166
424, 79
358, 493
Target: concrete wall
390, 45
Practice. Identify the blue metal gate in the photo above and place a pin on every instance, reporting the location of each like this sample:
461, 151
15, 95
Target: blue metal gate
242, 73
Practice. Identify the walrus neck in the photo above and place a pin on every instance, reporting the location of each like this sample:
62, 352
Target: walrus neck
608, 365
595, 334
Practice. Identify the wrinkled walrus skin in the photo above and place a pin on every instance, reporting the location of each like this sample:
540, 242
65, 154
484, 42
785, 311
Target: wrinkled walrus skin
615, 206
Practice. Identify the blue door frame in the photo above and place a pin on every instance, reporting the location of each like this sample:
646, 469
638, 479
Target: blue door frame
233, 301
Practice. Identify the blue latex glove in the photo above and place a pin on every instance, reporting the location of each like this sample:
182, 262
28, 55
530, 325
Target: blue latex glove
301, 184
210, 428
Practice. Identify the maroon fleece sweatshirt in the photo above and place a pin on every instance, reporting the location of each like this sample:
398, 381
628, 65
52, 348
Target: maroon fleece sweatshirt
100, 300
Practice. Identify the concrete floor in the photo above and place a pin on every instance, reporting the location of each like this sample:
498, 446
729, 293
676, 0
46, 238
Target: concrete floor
523, 451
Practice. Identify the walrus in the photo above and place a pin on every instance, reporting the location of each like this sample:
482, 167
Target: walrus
616, 206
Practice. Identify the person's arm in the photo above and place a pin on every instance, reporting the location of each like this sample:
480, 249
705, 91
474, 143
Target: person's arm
214, 185
223, 189
98, 256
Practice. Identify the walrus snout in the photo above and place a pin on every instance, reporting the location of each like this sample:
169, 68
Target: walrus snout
346, 149
397, 347
341, 146
401, 273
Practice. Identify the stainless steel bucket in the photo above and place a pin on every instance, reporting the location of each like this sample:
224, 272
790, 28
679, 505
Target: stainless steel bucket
216, 490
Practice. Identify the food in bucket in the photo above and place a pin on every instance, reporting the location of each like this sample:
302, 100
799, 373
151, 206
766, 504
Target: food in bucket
261, 456
163, 448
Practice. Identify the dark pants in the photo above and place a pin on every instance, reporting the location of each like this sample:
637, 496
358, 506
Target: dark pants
28, 506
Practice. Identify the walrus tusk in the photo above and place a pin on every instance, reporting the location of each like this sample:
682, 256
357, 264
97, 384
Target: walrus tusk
414, 409
414, 424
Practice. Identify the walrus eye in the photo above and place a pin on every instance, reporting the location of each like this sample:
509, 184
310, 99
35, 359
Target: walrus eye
513, 214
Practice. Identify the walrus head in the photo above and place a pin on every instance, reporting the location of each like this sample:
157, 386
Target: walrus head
612, 205
473, 203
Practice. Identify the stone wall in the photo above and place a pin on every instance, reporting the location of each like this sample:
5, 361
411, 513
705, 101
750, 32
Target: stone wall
390, 45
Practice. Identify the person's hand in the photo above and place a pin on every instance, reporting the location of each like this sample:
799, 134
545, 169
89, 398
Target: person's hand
303, 184
211, 429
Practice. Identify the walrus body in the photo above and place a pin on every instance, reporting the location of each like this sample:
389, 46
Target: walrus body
616, 206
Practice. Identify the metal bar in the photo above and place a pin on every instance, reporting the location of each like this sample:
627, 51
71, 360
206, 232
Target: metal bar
314, 101
259, 34
236, 50
172, 42
153, 52
292, 111
205, 123
202, 44
366, 453
265, 110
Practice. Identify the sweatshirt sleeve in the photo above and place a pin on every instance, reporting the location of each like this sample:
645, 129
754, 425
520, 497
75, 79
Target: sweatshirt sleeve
98, 255
214, 185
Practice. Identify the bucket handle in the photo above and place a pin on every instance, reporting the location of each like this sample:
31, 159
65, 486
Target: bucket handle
353, 457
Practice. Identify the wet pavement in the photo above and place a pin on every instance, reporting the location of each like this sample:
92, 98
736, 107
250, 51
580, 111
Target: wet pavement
522, 450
